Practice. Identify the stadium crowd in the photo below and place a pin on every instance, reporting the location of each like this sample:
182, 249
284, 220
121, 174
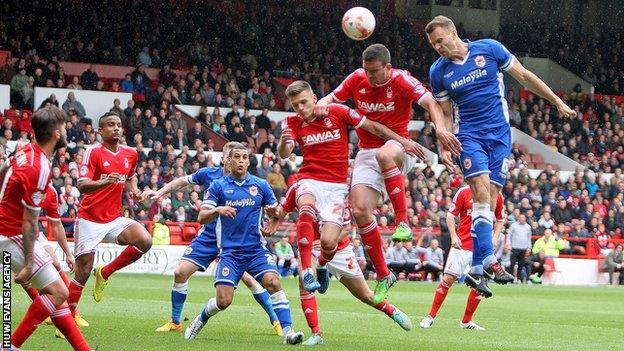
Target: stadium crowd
240, 76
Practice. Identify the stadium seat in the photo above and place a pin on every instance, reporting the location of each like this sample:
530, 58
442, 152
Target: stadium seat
189, 233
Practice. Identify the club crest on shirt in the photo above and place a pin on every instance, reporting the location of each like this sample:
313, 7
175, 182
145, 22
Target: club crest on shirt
126, 163
480, 61
419, 89
225, 271
467, 164
37, 197
83, 170
188, 250
389, 92
253, 190
328, 122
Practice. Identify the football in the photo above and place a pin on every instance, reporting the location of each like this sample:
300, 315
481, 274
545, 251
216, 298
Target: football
358, 23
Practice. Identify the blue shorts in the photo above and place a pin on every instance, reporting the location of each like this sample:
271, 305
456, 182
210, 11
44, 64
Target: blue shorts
202, 251
486, 152
232, 265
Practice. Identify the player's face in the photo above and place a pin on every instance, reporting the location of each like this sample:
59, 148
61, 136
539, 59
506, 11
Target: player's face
239, 162
111, 129
376, 72
303, 103
442, 41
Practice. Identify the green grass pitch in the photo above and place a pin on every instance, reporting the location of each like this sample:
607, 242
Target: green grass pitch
516, 318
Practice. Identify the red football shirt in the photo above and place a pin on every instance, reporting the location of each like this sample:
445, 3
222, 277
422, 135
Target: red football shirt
389, 104
24, 183
289, 204
325, 143
104, 205
50, 204
462, 207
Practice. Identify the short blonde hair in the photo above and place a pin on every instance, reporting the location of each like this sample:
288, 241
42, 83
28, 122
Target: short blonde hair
439, 21
297, 87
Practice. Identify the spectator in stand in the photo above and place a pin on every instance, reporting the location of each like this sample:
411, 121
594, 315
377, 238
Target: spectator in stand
263, 120
238, 134
72, 104
144, 58
578, 231
277, 180
117, 109
358, 250
520, 241
434, 260
179, 122
398, 258
8, 132
562, 213
17, 83
614, 264
152, 132
27, 94
75, 84
127, 85
89, 78
412, 258
271, 144
536, 265
286, 260
166, 76
196, 133
264, 168
140, 80
180, 140
549, 244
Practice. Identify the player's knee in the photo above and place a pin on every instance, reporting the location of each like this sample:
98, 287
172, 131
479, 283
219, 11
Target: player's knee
449, 279
57, 292
272, 283
328, 244
384, 157
180, 275
224, 302
360, 212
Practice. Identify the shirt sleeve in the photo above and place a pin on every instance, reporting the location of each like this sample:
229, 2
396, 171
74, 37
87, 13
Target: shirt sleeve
499, 211
133, 164
349, 115
288, 124
437, 85
89, 166
457, 204
51, 204
197, 177
414, 89
268, 198
503, 57
212, 196
33, 186
289, 202
345, 90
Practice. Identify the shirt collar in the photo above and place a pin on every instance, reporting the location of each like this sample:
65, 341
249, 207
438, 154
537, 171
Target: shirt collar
240, 182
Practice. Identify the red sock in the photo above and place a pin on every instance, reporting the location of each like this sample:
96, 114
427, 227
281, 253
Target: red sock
32, 292
371, 238
305, 234
438, 298
393, 179
126, 257
64, 277
310, 311
326, 256
385, 307
75, 291
35, 314
471, 305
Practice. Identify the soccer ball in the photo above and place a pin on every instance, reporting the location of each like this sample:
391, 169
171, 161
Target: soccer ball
358, 23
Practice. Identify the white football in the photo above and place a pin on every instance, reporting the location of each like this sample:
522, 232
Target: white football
358, 23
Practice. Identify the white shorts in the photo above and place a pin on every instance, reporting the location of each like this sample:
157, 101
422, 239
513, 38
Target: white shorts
344, 263
87, 234
44, 241
44, 272
366, 170
331, 199
458, 262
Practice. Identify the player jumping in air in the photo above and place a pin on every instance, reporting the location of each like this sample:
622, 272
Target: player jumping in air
460, 256
204, 249
385, 95
323, 179
236, 202
469, 76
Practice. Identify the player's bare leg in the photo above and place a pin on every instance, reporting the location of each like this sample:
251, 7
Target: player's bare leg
222, 300
305, 237
139, 241
359, 288
363, 200
390, 158
52, 301
182, 273
281, 305
330, 236
263, 298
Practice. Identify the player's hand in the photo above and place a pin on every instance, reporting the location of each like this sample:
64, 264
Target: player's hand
71, 262
270, 227
274, 211
449, 141
24, 274
149, 194
415, 149
447, 160
565, 110
112, 178
137, 195
226, 211
321, 109
455, 242
316, 245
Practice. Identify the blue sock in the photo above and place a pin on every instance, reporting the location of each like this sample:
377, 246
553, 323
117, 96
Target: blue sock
282, 309
482, 229
264, 299
477, 259
178, 296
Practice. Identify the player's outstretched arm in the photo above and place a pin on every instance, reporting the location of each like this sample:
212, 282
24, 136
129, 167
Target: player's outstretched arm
450, 222
131, 186
442, 117
208, 215
61, 238
410, 146
320, 109
532, 82
286, 144
30, 227
168, 188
